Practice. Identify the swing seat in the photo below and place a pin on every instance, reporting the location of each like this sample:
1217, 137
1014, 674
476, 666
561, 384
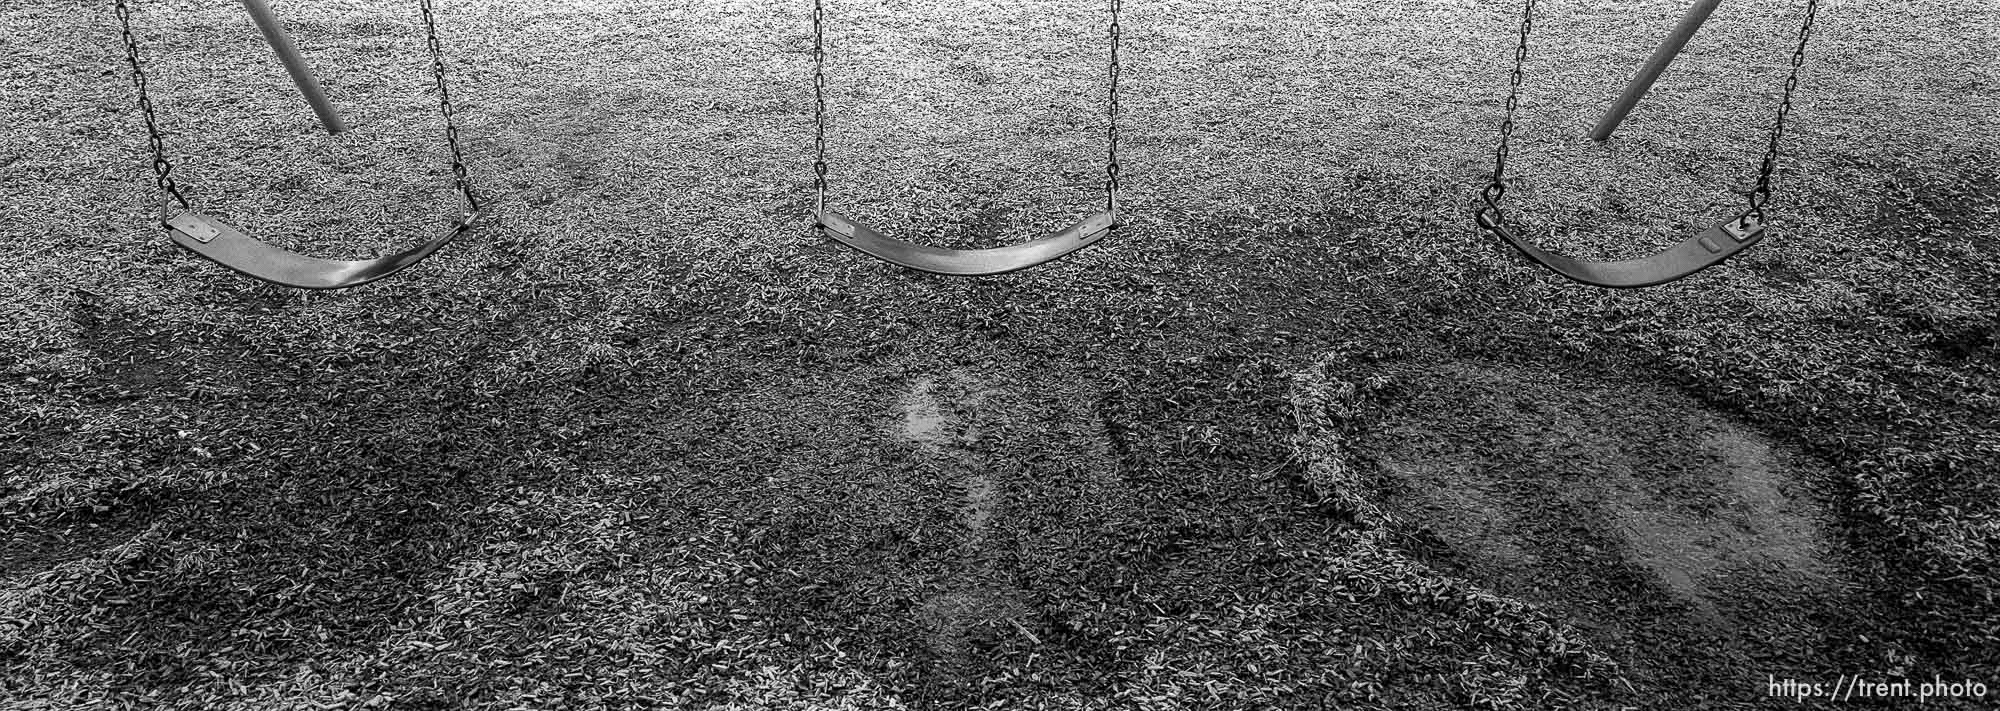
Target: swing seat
227, 246
1706, 249
967, 262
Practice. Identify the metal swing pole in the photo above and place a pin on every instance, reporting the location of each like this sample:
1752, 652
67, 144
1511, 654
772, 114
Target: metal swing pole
295, 64
1654, 66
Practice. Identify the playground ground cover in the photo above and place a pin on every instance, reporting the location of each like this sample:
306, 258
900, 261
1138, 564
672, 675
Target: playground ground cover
1296, 437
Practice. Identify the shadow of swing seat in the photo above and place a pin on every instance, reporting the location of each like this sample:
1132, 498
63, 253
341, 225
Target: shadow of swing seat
1705, 249
967, 262
229, 247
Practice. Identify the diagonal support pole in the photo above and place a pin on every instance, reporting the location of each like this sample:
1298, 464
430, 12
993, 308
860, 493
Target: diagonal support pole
295, 64
1654, 66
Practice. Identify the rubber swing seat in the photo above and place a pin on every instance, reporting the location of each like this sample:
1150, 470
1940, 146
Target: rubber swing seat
1705, 249
229, 247
967, 262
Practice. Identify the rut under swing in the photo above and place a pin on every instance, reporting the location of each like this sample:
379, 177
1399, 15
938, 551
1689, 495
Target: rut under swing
230, 247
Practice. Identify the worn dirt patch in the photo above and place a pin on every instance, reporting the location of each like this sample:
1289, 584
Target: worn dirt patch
922, 423
956, 618
1673, 534
943, 418
29, 551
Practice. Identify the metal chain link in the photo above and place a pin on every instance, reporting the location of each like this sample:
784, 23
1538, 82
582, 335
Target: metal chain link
1761, 194
1111, 160
819, 106
1497, 187
459, 175
163, 168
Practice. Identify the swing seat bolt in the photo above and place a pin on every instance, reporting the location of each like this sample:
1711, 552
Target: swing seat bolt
186, 223
1743, 228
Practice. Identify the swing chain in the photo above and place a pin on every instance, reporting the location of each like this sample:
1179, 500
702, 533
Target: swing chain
819, 112
458, 172
819, 108
163, 169
1497, 187
1761, 193
1111, 162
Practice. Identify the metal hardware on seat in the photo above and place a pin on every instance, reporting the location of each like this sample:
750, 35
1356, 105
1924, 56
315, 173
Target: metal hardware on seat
194, 226
1744, 228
